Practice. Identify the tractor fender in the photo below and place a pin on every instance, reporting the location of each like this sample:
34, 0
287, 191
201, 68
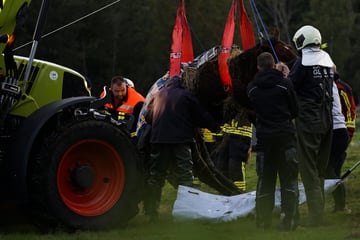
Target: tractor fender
23, 140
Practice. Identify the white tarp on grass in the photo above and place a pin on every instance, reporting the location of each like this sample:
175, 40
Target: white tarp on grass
193, 204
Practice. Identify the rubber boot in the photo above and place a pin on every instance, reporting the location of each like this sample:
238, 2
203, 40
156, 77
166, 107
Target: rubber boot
152, 202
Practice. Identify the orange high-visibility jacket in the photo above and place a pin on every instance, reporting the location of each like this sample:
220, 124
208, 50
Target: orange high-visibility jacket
133, 98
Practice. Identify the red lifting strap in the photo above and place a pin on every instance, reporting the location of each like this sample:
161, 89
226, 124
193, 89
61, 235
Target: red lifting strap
227, 41
181, 47
247, 37
246, 29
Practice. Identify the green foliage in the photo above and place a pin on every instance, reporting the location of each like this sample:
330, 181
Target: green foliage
335, 24
133, 37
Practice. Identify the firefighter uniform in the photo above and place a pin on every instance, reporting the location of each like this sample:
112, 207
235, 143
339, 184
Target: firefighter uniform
348, 105
235, 151
313, 76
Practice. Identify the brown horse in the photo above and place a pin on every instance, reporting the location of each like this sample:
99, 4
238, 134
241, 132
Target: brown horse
204, 79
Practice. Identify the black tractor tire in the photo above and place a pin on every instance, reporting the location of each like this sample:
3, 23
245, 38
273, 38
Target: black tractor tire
86, 176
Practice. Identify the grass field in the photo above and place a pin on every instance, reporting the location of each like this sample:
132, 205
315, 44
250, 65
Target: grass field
339, 225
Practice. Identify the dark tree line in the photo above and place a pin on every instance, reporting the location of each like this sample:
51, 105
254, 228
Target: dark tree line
133, 37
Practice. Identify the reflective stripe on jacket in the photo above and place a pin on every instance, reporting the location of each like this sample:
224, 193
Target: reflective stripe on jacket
133, 97
347, 104
233, 128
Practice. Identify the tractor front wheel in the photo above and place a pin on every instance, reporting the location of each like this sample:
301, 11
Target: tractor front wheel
89, 175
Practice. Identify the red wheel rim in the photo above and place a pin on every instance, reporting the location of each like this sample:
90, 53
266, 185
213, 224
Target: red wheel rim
107, 186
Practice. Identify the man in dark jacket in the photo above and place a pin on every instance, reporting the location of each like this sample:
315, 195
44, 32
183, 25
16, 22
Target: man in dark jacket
173, 113
275, 104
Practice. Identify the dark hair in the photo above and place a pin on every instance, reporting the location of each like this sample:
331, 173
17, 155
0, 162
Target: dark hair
175, 81
117, 80
265, 61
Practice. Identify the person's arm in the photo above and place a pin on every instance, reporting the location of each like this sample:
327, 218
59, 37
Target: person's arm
348, 106
282, 67
296, 74
201, 117
137, 109
149, 111
293, 102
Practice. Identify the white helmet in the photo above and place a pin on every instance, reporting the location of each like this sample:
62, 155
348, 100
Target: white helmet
129, 82
305, 36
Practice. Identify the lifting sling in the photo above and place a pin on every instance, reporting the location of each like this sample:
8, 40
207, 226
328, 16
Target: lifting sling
181, 47
247, 38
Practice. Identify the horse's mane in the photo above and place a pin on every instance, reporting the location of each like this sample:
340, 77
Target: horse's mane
242, 64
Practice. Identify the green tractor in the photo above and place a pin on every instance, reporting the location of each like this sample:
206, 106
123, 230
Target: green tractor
62, 159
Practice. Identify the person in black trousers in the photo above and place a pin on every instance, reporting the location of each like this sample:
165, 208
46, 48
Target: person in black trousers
173, 113
312, 75
340, 141
274, 100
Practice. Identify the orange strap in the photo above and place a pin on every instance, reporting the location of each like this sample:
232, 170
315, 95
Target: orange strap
181, 47
247, 37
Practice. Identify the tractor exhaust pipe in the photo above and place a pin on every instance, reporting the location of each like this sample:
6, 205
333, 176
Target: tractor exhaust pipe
37, 36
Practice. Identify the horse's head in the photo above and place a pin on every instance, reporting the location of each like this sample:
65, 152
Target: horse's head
243, 67
283, 51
